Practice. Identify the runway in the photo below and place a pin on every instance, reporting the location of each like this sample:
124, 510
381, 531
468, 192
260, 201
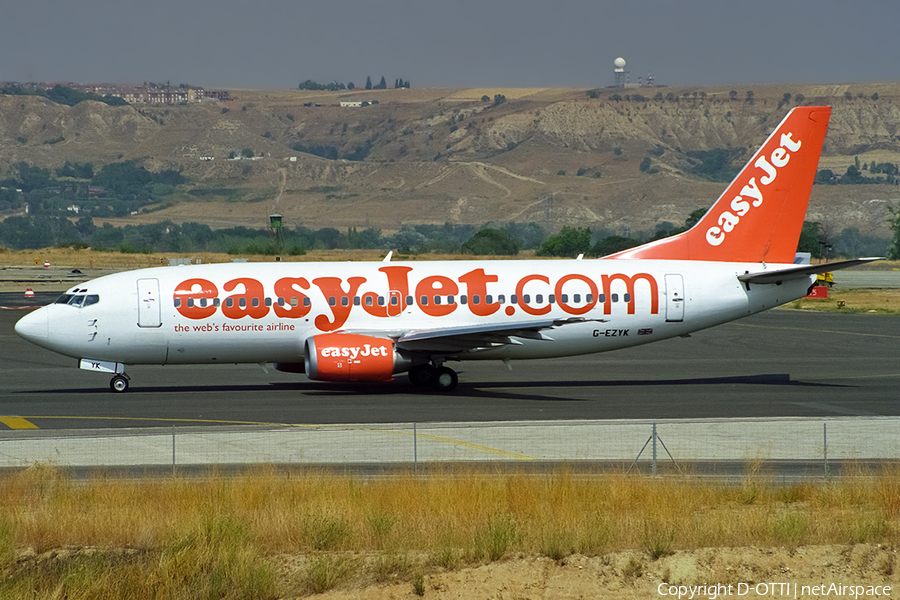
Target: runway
782, 363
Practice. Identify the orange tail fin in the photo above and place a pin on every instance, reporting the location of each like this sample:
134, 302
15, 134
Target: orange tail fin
760, 215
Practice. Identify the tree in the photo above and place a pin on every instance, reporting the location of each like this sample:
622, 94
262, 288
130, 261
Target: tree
492, 242
810, 236
894, 224
570, 242
612, 244
694, 218
645, 164
368, 82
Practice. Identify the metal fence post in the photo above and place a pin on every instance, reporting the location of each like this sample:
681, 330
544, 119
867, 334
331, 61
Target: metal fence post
654, 450
415, 450
825, 446
173, 451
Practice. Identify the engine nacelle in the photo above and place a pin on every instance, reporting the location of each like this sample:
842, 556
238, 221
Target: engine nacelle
352, 357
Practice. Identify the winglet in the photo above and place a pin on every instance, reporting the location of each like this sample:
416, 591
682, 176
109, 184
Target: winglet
760, 215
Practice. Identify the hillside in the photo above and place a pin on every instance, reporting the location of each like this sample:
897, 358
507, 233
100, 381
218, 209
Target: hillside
435, 156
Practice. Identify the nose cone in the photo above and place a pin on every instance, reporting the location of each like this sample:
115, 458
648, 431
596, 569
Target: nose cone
34, 327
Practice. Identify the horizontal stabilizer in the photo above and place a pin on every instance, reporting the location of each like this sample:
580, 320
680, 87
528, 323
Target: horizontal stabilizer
782, 275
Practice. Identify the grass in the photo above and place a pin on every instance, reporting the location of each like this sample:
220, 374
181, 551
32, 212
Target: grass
874, 301
228, 537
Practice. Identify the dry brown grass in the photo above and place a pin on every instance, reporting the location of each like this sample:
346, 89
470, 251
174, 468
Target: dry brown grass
880, 301
379, 530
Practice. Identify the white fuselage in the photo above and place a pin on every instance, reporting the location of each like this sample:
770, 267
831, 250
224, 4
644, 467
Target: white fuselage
265, 312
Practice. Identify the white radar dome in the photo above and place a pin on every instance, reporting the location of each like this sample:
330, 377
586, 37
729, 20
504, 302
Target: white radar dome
619, 63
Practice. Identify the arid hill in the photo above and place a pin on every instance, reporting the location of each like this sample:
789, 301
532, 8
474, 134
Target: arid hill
447, 155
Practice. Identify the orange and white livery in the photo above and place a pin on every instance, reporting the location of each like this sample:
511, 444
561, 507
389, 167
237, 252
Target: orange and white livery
370, 321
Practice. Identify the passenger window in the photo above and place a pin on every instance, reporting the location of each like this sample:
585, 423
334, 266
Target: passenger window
463, 299
369, 301
437, 299
306, 302
190, 303
216, 302
177, 302
356, 301
576, 298
424, 300
552, 298
242, 302
345, 301
332, 301
514, 299
451, 300
268, 302
488, 299
615, 297
229, 302
395, 301
202, 302
539, 298
564, 298
627, 298
380, 300
501, 299
254, 302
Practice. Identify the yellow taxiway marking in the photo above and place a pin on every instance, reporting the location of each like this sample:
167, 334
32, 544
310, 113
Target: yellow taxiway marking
17, 423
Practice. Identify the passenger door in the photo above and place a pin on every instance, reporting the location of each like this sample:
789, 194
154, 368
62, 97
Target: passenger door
148, 303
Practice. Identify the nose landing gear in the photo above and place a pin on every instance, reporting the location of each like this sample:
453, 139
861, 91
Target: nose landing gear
119, 383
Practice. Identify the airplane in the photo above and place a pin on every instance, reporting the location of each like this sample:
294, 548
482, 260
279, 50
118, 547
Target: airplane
370, 321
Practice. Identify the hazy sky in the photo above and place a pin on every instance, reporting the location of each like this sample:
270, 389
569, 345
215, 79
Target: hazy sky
275, 44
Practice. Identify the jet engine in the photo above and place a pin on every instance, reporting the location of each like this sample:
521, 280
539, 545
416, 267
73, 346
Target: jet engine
352, 357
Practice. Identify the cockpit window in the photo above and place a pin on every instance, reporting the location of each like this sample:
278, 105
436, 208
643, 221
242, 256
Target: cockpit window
78, 300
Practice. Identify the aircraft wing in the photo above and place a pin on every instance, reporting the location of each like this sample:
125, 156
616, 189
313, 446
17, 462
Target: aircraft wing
468, 338
799, 272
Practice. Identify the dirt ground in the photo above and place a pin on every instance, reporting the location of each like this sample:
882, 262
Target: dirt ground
725, 573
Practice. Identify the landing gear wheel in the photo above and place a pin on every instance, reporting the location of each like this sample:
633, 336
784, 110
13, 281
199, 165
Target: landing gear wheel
421, 375
119, 384
444, 379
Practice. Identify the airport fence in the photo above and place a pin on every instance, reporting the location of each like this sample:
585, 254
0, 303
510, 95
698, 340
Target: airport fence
789, 447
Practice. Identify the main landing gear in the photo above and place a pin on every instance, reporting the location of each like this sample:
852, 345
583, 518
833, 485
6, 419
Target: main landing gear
438, 378
119, 383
